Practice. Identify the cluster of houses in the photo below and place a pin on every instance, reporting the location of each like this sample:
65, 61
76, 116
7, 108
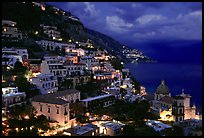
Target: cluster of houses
81, 61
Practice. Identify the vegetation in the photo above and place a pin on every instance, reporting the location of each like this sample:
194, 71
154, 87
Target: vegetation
123, 111
90, 89
136, 84
130, 130
66, 84
116, 63
24, 86
19, 69
26, 126
174, 131
82, 118
76, 109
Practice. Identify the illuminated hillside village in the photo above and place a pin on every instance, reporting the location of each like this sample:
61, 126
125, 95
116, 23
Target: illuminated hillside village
76, 89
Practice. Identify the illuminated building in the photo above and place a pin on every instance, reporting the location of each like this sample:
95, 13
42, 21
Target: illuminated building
13, 55
11, 97
56, 106
9, 30
113, 128
85, 130
51, 31
46, 83
89, 61
51, 45
177, 107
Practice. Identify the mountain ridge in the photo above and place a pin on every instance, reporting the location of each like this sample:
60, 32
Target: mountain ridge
69, 25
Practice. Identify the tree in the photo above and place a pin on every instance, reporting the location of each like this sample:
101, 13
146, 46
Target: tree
128, 130
82, 118
136, 84
66, 84
76, 108
19, 68
42, 122
117, 64
23, 85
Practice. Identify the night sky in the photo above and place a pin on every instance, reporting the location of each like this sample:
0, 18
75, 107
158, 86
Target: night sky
133, 22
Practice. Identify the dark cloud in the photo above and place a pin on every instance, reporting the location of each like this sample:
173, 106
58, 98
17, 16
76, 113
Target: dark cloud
140, 21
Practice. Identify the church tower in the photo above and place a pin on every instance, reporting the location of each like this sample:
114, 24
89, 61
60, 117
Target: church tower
178, 108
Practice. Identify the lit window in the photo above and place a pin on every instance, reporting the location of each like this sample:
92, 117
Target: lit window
5, 30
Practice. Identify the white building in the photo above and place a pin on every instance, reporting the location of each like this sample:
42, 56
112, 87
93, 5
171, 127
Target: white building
61, 67
10, 60
11, 97
46, 83
127, 83
11, 55
9, 30
15, 51
51, 31
89, 61
55, 106
79, 51
115, 91
53, 64
74, 69
52, 45
113, 128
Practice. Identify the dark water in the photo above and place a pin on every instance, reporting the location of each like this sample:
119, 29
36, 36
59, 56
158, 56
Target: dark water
180, 67
176, 76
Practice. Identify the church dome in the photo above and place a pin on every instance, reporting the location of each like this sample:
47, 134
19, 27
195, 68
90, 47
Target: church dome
162, 88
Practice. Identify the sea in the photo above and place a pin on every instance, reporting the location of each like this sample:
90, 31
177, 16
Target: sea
178, 63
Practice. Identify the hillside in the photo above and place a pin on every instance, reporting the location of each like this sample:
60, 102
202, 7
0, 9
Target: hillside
29, 16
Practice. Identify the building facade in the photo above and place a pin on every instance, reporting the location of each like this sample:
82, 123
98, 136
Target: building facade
46, 83
55, 106
11, 97
9, 30
98, 101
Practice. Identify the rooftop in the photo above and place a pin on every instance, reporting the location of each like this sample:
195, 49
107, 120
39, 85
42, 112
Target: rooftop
157, 125
47, 99
63, 93
162, 88
113, 125
13, 94
53, 98
44, 75
80, 130
97, 97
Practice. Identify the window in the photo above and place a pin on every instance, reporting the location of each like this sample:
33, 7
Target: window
57, 111
41, 108
180, 111
48, 109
